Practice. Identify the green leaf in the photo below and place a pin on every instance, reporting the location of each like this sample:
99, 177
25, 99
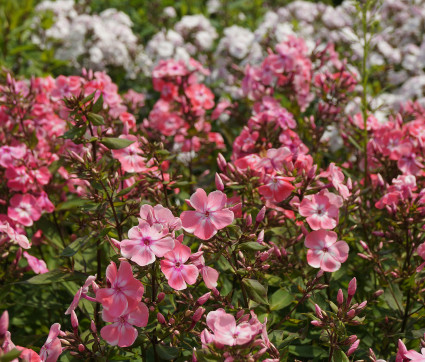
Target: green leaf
97, 107
393, 297
88, 98
252, 245
116, 143
256, 291
76, 245
339, 356
75, 132
10, 356
95, 119
307, 351
167, 353
54, 276
71, 204
280, 299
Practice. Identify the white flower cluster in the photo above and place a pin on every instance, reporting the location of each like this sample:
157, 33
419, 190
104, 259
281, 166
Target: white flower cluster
93, 41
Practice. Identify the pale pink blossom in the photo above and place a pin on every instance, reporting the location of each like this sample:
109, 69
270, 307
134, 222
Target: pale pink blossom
321, 210
210, 214
24, 209
130, 157
37, 265
14, 236
121, 332
325, 251
145, 242
160, 215
175, 270
125, 291
52, 348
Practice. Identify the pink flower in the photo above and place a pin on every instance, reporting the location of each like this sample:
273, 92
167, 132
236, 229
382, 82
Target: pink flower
325, 251
121, 332
210, 215
14, 236
225, 330
125, 291
335, 175
321, 210
24, 209
130, 157
81, 293
160, 215
209, 275
145, 242
52, 349
200, 96
9, 154
415, 356
276, 188
37, 265
4, 323
175, 270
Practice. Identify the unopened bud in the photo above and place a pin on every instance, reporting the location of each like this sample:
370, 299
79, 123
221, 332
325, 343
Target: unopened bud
364, 245
161, 318
351, 313
260, 237
221, 161
260, 215
318, 311
93, 326
353, 347
74, 320
219, 182
378, 293
340, 297
248, 220
352, 286
81, 348
203, 299
198, 314
172, 321
160, 297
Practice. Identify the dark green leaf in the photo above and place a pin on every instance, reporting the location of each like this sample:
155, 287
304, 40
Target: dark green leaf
97, 107
256, 291
339, 356
280, 299
76, 245
54, 276
95, 119
167, 353
116, 143
251, 245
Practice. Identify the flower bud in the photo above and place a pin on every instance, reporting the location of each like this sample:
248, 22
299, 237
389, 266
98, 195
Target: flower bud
172, 321
219, 182
203, 298
161, 318
74, 321
81, 348
317, 323
351, 313
260, 237
318, 311
221, 161
248, 220
4, 323
352, 286
353, 347
340, 297
378, 293
364, 245
93, 326
198, 314
151, 308
260, 215
160, 297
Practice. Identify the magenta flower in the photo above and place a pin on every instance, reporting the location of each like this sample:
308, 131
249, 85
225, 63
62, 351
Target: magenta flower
121, 332
276, 188
130, 157
145, 242
412, 355
176, 271
321, 210
160, 215
24, 209
125, 291
325, 251
10, 154
210, 215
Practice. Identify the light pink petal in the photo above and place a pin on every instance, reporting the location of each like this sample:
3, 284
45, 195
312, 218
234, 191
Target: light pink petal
139, 317
190, 220
162, 246
205, 229
190, 273
315, 222
145, 256
117, 305
244, 333
176, 280
216, 201
210, 276
340, 251
199, 200
221, 219
110, 333
167, 268
127, 335
329, 263
111, 273
315, 240
314, 257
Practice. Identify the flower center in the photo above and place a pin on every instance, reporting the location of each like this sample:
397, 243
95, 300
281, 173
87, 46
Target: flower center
146, 241
325, 249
